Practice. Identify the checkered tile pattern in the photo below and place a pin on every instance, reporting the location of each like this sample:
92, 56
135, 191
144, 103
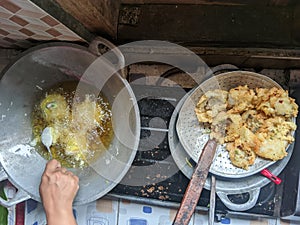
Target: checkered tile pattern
22, 23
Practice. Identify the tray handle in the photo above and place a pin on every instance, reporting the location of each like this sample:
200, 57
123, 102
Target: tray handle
221, 68
253, 196
94, 48
20, 196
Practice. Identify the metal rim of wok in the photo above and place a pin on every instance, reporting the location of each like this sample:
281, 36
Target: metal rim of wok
188, 128
22, 83
224, 187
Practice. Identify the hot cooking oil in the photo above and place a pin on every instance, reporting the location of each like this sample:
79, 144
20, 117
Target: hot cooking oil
81, 129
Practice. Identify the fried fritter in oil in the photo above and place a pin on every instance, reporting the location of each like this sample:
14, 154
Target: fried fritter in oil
75, 131
55, 108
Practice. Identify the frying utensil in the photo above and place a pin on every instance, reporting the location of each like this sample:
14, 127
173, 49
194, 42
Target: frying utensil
196, 184
47, 139
26, 80
193, 135
224, 187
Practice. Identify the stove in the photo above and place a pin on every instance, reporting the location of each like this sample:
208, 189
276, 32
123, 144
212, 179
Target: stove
154, 177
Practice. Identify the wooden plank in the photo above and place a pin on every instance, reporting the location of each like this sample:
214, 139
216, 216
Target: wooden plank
97, 16
212, 25
194, 2
296, 24
277, 58
212, 2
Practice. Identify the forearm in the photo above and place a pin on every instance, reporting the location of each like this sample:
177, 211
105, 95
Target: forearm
60, 217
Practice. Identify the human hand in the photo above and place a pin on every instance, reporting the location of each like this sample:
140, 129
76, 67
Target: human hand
58, 189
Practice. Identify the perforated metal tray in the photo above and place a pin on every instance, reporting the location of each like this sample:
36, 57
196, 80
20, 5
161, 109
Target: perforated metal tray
193, 136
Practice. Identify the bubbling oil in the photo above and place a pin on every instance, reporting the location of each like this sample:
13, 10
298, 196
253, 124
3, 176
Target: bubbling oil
76, 143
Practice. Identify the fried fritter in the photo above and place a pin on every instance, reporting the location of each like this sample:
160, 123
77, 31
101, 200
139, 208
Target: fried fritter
210, 105
249, 140
233, 128
218, 127
273, 149
275, 135
277, 128
253, 119
276, 102
240, 99
239, 157
242, 149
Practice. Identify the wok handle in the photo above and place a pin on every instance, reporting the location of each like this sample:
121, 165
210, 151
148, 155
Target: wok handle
196, 184
253, 196
221, 68
94, 48
20, 196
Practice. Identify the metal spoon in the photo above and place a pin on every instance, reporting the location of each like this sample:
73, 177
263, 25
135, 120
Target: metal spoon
47, 139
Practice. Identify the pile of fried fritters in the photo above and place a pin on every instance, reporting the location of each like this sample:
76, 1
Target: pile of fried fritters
252, 122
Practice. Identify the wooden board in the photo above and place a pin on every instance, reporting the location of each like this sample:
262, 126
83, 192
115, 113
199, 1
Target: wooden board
214, 2
212, 25
97, 16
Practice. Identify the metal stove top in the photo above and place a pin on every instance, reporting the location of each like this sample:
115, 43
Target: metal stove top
154, 177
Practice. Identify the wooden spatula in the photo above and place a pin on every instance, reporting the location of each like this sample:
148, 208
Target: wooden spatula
196, 184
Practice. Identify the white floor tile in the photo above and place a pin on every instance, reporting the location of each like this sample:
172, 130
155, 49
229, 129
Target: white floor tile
104, 212
287, 222
201, 218
142, 214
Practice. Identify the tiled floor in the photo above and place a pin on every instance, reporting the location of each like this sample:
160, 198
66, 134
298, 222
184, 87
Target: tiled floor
111, 212
131, 214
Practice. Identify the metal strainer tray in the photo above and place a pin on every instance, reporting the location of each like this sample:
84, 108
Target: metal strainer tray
193, 135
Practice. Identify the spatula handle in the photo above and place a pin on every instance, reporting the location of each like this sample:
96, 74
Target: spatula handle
196, 184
